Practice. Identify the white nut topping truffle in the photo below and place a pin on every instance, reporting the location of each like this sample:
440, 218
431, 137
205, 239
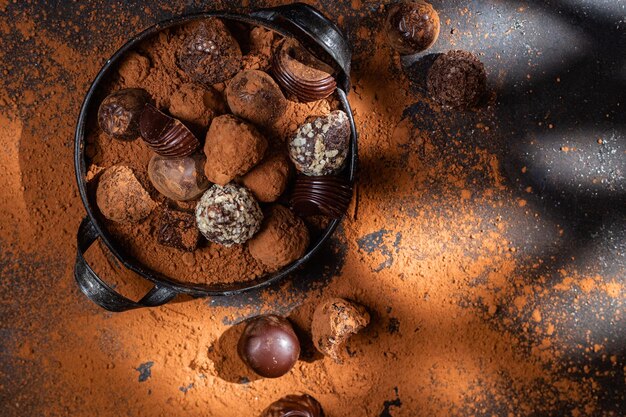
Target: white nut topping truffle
228, 214
320, 147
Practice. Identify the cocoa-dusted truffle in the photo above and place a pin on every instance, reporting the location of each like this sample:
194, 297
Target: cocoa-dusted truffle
191, 103
121, 197
412, 26
180, 179
294, 406
334, 321
255, 96
320, 147
268, 180
228, 215
283, 238
457, 79
209, 54
177, 229
232, 147
119, 113
269, 346
166, 135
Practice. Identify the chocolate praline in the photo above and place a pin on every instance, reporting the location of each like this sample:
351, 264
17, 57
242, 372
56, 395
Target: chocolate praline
412, 26
294, 406
166, 135
269, 346
119, 113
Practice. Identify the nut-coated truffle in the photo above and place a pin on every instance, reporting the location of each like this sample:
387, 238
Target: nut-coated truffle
412, 26
283, 238
334, 321
320, 147
119, 113
255, 96
268, 180
232, 147
228, 215
294, 406
269, 346
457, 79
209, 54
121, 197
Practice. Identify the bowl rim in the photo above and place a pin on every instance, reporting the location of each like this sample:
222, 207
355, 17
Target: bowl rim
80, 167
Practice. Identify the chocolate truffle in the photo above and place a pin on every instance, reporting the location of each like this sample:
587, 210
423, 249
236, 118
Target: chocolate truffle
166, 135
209, 54
180, 179
228, 215
334, 321
412, 26
457, 79
232, 147
119, 113
177, 229
320, 147
294, 406
192, 104
121, 197
268, 180
254, 96
269, 346
283, 238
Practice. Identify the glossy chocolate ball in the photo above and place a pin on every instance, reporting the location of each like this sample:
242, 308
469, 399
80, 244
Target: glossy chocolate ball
269, 346
119, 113
412, 26
180, 179
294, 406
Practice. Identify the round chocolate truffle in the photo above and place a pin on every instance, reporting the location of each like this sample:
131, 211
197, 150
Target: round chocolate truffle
209, 54
320, 147
268, 180
232, 147
269, 346
412, 26
119, 113
334, 321
283, 238
294, 406
228, 215
180, 179
121, 197
255, 96
192, 104
457, 79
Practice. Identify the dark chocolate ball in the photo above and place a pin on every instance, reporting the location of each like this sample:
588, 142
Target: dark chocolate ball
294, 406
412, 26
119, 113
269, 346
457, 79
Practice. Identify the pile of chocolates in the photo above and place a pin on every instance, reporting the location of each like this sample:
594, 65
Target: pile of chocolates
221, 160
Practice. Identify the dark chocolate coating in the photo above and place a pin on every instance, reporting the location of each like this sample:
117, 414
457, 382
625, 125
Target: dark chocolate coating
412, 26
457, 79
327, 195
119, 113
294, 406
269, 346
166, 135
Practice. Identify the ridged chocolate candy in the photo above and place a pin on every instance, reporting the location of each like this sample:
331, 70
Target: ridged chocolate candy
301, 74
166, 135
294, 406
327, 195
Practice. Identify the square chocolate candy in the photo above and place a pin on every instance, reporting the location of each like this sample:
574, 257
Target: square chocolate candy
178, 230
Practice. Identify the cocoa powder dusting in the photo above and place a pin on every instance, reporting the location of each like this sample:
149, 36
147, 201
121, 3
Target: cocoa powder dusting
467, 317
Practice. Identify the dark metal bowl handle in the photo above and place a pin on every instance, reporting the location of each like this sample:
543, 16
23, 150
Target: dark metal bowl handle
101, 293
312, 28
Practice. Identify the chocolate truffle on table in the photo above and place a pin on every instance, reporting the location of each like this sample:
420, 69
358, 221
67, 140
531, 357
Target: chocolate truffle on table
412, 26
209, 54
334, 321
320, 147
294, 406
179, 179
178, 230
166, 135
457, 79
228, 214
232, 147
121, 197
192, 104
269, 346
283, 238
119, 113
253, 95
268, 179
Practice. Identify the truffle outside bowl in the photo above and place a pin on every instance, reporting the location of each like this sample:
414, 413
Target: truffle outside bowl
300, 21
